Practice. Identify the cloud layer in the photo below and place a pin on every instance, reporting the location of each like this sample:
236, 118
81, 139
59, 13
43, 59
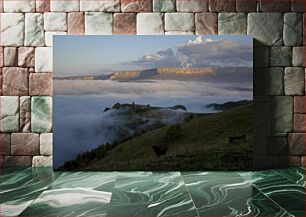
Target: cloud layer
147, 89
199, 53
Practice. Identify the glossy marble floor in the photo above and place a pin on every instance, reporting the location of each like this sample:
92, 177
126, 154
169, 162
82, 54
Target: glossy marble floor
42, 192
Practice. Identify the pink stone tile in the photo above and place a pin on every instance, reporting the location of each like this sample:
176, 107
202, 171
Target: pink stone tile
299, 124
5, 143
1, 162
272, 6
76, 23
25, 114
299, 104
287, 161
304, 33
222, 5
42, 5
303, 161
1, 56
26, 56
1, 81
17, 161
297, 5
206, 23
25, 144
136, 5
125, 23
1, 6
246, 5
41, 84
15, 81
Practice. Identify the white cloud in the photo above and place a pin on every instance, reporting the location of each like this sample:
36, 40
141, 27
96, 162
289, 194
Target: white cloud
161, 88
198, 40
208, 40
200, 53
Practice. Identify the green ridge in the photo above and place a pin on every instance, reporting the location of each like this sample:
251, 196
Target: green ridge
202, 142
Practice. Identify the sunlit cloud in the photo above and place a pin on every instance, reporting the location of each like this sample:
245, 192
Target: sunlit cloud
200, 53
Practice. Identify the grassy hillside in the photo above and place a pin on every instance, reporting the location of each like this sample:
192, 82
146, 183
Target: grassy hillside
201, 143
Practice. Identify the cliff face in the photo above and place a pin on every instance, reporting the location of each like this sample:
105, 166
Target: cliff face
153, 73
134, 75
185, 71
205, 73
172, 73
125, 75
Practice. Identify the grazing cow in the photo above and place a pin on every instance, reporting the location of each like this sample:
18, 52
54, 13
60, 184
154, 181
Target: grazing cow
235, 139
160, 150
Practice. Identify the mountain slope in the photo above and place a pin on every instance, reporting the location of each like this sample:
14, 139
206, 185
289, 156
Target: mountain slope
202, 143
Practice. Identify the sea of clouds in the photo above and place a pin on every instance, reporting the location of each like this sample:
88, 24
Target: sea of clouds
80, 123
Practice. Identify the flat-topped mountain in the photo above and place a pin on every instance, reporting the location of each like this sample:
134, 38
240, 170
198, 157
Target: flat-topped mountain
142, 108
173, 73
158, 73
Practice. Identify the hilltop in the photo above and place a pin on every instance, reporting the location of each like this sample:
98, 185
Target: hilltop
133, 119
227, 105
128, 120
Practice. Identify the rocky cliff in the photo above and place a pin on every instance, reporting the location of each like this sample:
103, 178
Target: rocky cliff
210, 74
205, 73
133, 75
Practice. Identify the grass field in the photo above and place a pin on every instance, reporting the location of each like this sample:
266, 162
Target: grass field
200, 143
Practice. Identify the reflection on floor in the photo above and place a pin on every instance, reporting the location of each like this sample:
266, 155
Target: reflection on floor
42, 192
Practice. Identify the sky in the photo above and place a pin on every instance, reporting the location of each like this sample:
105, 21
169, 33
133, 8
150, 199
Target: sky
95, 55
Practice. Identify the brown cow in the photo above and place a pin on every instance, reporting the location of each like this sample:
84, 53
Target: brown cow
160, 150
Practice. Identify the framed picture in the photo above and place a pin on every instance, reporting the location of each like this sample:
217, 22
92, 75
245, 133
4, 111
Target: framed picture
153, 102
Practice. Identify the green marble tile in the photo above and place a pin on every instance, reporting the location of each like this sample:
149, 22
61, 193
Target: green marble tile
69, 202
228, 194
165, 177
41, 114
12, 172
285, 192
75, 194
191, 176
141, 187
102, 181
9, 115
41, 192
20, 190
258, 176
164, 5
296, 174
151, 193
184, 208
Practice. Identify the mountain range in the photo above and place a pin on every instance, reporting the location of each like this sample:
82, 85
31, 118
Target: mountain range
210, 74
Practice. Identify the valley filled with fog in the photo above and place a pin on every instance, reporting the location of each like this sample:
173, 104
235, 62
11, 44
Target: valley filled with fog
81, 125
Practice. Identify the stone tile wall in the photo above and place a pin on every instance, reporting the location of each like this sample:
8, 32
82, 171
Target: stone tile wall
27, 27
